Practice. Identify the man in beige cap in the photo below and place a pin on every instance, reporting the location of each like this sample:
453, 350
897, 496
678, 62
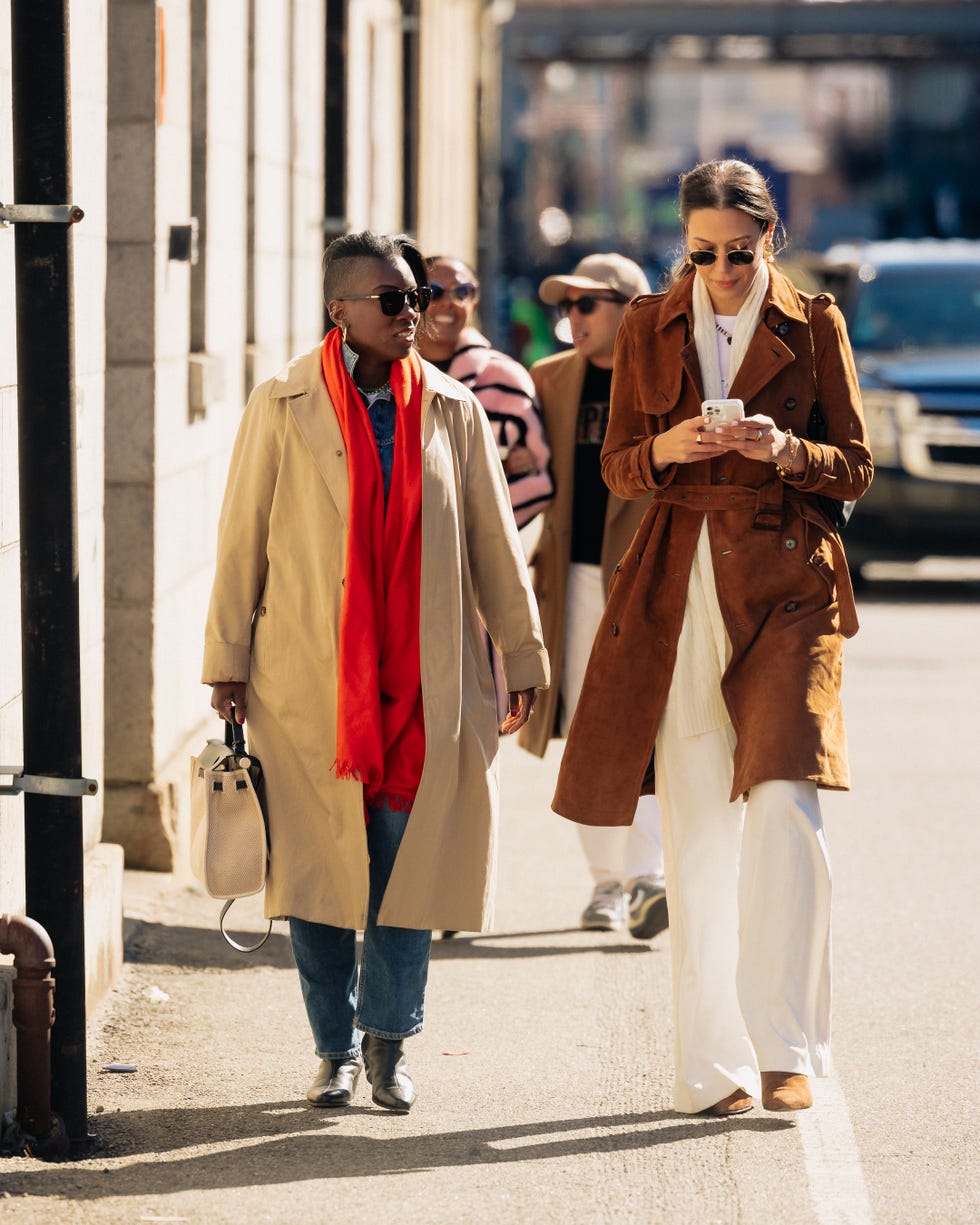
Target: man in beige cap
585, 532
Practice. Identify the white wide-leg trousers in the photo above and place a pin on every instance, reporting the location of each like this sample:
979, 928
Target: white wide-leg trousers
748, 888
614, 853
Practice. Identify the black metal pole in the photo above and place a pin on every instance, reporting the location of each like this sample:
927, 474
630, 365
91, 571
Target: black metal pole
48, 529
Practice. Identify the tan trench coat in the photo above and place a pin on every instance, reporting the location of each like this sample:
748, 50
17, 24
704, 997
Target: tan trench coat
558, 381
274, 620
782, 580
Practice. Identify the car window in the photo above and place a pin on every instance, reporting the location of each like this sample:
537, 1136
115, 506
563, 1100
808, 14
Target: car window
917, 308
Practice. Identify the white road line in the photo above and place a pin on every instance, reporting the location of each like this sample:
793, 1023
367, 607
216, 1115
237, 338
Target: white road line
833, 1166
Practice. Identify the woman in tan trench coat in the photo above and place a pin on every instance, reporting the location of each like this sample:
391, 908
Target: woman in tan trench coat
366, 530
715, 674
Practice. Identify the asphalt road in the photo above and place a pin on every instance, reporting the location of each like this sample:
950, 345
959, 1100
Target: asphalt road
545, 1066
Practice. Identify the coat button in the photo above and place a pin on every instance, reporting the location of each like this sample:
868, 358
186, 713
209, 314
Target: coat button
790, 606
790, 403
723, 480
339, 454
615, 630
263, 610
789, 543
782, 329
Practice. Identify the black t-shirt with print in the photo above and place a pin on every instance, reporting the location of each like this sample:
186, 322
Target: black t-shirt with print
590, 493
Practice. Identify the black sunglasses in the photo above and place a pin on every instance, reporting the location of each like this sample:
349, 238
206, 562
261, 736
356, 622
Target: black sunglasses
392, 301
586, 304
701, 258
462, 293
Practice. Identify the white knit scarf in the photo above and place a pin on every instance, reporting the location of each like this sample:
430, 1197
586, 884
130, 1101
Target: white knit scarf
705, 336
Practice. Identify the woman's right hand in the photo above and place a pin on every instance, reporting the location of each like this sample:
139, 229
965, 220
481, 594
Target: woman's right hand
228, 694
685, 443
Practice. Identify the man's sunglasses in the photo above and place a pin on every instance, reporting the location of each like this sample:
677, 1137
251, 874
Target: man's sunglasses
701, 258
392, 301
461, 293
586, 304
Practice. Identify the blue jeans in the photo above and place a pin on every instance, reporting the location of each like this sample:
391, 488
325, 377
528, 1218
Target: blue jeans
386, 997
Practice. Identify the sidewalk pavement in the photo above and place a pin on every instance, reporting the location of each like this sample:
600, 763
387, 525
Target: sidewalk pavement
543, 1076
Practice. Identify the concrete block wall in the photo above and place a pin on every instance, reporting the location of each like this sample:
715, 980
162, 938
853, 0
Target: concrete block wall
448, 138
255, 174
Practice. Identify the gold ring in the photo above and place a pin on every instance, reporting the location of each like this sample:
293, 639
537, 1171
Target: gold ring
758, 435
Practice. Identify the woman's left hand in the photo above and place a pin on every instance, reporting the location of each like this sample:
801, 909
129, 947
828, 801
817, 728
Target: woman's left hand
521, 702
756, 438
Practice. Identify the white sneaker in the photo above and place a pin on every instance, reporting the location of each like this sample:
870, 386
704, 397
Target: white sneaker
607, 911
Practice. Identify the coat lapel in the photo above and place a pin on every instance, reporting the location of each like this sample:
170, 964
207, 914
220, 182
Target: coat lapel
317, 422
764, 358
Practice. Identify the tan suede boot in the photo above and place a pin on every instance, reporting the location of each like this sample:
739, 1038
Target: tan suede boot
786, 1091
737, 1102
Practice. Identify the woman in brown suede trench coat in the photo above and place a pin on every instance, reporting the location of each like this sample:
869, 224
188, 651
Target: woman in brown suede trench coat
715, 675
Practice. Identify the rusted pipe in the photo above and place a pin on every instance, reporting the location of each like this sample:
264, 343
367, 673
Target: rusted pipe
33, 956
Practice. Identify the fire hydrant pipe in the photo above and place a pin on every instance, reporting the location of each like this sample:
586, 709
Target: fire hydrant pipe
33, 956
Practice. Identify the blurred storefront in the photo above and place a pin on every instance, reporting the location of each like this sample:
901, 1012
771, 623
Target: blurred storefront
865, 116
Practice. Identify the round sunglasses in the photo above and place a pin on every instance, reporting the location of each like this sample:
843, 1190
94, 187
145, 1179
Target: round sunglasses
459, 293
393, 301
701, 258
586, 304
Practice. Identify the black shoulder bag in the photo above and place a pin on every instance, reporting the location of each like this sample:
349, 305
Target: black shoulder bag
837, 512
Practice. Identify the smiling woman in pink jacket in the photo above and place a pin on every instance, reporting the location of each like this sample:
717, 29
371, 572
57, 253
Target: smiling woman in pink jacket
504, 389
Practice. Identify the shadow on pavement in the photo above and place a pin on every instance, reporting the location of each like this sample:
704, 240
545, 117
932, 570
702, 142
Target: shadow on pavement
489, 945
283, 1142
202, 948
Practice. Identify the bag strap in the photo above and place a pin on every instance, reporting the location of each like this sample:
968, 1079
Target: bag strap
816, 425
242, 948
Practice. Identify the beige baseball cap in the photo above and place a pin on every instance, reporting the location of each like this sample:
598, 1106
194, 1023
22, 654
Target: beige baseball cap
612, 271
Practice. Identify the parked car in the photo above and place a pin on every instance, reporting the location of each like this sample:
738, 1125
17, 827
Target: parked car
913, 314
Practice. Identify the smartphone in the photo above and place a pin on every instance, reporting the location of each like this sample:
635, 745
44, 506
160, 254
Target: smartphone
722, 412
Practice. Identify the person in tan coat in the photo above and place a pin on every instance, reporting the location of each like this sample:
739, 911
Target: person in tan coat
585, 532
366, 535
715, 676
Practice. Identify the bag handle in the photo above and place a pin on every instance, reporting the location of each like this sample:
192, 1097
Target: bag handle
235, 734
235, 740
242, 948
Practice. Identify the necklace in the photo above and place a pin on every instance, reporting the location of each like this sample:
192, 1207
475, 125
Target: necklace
383, 390
727, 335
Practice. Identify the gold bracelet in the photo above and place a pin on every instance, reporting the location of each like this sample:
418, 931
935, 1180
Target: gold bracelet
794, 448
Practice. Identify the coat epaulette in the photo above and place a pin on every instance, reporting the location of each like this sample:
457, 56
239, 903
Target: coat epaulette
643, 298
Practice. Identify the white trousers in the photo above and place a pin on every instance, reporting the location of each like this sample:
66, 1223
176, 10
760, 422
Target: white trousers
614, 853
748, 889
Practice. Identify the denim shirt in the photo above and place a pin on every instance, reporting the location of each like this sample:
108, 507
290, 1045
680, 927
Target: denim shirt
380, 406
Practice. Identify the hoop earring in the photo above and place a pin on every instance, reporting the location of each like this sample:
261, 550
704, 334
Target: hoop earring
768, 250
343, 331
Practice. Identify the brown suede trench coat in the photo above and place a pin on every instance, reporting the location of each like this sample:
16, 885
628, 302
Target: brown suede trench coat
782, 580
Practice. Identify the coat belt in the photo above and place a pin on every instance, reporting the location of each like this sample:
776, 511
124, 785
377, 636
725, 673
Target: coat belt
766, 500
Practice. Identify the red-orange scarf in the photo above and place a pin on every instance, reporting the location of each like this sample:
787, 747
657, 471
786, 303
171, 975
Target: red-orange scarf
380, 730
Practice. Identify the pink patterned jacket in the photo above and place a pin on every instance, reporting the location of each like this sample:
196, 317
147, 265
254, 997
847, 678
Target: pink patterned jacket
507, 396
